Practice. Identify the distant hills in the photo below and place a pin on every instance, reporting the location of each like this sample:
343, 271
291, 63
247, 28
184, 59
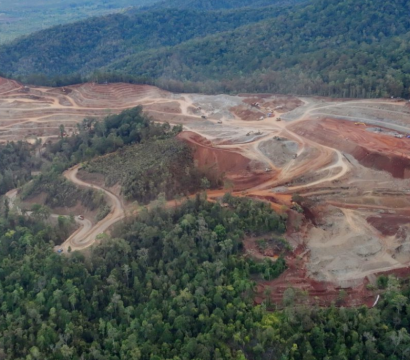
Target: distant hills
20, 17
323, 47
218, 4
85, 46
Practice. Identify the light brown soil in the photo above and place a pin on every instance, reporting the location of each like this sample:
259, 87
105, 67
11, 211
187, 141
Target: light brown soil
247, 113
286, 103
374, 150
353, 180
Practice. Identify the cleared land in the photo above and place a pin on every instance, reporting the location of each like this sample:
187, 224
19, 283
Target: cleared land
348, 159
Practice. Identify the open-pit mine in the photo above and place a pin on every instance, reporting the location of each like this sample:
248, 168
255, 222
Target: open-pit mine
339, 169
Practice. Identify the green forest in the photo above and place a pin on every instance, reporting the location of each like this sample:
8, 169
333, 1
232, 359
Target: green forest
218, 4
144, 157
172, 284
173, 280
17, 161
88, 45
322, 47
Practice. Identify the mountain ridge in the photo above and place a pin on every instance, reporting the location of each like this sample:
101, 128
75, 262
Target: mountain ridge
324, 47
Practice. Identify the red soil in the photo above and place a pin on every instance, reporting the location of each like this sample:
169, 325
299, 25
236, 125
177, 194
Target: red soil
233, 165
309, 291
376, 150
388, 224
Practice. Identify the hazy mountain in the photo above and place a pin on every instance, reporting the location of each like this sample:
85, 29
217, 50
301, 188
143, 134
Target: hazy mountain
21, 17
220, 4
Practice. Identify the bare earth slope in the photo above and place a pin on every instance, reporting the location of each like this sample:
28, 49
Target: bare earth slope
349, 159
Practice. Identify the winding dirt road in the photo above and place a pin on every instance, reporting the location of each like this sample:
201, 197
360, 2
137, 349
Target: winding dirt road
333, 163
87, 234
76, 237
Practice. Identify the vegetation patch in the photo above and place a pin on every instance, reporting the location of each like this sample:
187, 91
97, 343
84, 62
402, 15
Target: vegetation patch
144, 171
62, 193
17, 161
94, 137
273, 246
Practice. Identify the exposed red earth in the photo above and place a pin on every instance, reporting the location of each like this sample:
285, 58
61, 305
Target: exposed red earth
348, 160
235, 167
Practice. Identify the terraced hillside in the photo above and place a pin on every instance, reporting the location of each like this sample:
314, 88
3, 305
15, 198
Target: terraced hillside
339, 169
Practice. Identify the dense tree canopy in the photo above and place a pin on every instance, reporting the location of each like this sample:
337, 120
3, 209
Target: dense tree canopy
172, 284
326, 47
17, 161
88, 45
169, 285
219, 4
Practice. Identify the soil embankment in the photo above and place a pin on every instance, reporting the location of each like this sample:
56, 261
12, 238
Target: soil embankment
380, 151
230, 164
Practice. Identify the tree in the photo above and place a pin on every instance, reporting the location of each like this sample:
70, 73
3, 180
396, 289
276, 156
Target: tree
40, 212
6, 208
205, 184
62, 130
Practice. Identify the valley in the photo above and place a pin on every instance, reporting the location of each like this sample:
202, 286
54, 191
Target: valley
340, 169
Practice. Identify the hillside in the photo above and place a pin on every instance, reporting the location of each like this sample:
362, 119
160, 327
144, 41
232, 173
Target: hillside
88, 45
22, 17
218, 4
305, 49
314, 50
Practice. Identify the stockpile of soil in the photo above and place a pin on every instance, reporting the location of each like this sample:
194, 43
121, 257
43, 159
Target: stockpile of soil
280, 152
282, 103
246, 113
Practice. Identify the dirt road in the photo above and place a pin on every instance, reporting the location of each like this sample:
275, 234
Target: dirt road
76, 237
87, 234
308, 146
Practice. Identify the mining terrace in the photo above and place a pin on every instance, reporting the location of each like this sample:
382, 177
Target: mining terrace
348, 160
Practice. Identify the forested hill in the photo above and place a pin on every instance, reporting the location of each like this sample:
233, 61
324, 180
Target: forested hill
341, 48
326, 47
90, 44
219, 4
